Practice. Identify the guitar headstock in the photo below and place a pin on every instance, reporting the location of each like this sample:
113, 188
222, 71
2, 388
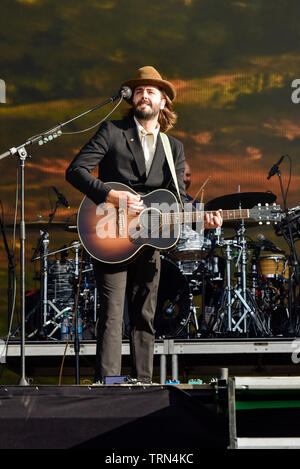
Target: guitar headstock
266, 213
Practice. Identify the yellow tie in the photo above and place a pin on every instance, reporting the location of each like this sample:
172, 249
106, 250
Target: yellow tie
147, 140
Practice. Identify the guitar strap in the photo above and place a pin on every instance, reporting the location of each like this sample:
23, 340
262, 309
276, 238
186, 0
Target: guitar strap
169, 156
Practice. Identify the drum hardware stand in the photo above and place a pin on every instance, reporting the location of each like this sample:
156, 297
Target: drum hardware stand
243, 293
42, 247
77, 280
192, 318
240, 293
51, 321
45, 302
241, 264
44, 276
208, 312
228, 288
76, 336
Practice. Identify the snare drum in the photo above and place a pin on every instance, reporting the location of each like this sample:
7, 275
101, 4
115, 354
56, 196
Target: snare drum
191, 246
274, 266
60, 288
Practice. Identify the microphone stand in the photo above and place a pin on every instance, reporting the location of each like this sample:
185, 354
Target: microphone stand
22, 158
42, 138
44, 232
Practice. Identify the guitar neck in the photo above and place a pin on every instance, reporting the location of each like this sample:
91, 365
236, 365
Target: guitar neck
197, 216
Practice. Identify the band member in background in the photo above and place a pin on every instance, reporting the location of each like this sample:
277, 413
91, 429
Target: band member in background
130, 151
187, 176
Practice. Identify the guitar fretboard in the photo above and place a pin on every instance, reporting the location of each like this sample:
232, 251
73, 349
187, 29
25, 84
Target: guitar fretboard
197, 216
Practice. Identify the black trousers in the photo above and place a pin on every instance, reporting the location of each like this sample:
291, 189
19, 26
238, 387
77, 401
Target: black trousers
139, 280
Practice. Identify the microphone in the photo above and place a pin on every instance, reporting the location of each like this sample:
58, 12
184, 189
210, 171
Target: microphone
268, 244
125, 92
169, 310
274, 168
61, 198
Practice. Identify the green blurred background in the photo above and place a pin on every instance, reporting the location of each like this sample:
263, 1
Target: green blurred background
232, 63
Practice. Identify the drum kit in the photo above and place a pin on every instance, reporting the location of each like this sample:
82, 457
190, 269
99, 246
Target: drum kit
211, 287
63, 274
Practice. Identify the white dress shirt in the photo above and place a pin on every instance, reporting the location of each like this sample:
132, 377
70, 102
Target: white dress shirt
148, 142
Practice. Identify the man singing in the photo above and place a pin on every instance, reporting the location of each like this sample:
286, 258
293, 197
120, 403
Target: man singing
130, 151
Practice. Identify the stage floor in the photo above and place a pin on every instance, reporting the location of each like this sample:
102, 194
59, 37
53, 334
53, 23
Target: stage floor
174, 359
230, 346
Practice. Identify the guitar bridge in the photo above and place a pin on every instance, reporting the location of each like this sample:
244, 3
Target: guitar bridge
121, 223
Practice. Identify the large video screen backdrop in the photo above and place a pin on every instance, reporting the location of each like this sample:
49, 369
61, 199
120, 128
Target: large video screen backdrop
232, 62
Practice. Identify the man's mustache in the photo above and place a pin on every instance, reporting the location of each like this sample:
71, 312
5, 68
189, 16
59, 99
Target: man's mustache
144, 101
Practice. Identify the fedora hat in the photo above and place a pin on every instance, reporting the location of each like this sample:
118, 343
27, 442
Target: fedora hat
148, 75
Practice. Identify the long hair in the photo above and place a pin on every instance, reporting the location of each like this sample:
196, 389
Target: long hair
167, 118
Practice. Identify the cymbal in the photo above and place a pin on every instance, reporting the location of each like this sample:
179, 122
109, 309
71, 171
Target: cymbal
240, 200
42, 224
235, 224
267, 251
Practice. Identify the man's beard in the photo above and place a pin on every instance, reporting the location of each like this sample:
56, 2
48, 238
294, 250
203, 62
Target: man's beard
147, 113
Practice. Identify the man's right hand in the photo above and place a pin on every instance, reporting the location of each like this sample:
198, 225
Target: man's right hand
126, 199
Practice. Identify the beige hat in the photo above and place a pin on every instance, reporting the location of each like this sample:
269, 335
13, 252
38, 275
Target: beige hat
148, 75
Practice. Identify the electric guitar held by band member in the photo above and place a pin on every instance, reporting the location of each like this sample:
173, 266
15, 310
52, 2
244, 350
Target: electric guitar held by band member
114, 234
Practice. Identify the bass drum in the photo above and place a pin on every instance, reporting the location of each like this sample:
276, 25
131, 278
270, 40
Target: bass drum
173, 302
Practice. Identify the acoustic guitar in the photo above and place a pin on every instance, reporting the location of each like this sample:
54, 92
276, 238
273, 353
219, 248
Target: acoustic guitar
113, 234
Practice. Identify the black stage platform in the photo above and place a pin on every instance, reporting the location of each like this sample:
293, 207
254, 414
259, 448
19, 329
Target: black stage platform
108, 418
258, 406
153, 421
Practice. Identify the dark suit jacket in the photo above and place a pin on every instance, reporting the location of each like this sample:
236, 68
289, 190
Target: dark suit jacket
117, 151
